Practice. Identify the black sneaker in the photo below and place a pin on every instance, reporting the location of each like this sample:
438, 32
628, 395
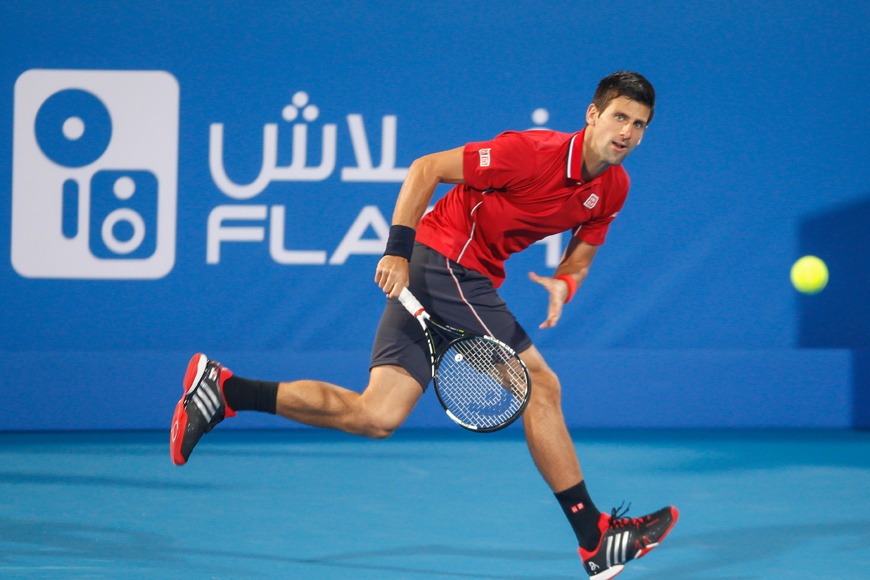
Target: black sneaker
624, 539
201, 407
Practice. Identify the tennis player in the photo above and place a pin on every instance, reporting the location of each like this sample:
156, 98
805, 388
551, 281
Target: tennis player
509, 192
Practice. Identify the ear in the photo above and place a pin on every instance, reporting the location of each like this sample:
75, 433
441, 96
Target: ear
591, 114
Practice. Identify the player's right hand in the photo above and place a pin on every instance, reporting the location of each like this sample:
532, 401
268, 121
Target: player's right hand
392, 275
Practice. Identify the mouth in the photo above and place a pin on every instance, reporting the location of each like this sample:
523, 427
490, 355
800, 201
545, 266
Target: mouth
620, 147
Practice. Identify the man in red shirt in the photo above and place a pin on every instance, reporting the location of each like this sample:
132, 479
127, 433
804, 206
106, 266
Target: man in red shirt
509, 193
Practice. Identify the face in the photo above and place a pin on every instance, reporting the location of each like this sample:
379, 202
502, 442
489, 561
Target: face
615, 131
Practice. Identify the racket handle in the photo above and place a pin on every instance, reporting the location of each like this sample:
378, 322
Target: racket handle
412, 305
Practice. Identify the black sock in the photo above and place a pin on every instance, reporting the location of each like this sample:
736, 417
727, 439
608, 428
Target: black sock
248, 395
582, 515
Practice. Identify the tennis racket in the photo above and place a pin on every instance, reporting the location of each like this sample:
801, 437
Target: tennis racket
480, 381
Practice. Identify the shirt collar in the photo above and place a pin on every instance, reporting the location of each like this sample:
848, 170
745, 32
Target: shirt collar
575, 157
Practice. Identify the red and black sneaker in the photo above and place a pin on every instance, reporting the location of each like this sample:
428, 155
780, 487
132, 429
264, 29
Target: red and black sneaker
201, 407
624, 539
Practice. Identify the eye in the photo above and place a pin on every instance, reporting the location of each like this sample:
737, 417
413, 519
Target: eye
639, 125
620, 117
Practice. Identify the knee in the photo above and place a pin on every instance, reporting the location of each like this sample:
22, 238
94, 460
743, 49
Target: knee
387, 401
379, 428
380, 423
546, 390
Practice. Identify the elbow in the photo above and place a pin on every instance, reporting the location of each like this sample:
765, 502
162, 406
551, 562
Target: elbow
424, 167
442, 167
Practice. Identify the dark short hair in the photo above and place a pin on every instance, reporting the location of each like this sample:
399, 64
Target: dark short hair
625, 84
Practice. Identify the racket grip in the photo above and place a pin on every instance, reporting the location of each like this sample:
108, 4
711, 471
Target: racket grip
411, 304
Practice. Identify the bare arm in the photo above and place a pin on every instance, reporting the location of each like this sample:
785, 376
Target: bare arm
423, 177
576, 261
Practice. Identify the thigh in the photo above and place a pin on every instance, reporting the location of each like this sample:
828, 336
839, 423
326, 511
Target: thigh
391, 395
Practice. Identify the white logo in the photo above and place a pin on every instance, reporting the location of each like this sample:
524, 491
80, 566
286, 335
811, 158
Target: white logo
484, 157
591, 201
207, 400
94, 176
616, 549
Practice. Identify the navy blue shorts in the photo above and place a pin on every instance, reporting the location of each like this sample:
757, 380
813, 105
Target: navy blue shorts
452, 294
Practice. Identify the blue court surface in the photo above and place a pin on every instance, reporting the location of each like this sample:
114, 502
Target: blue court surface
425, 504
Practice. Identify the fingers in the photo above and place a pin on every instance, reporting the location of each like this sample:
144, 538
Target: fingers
395, 290
557, 291
539, 279
554, 313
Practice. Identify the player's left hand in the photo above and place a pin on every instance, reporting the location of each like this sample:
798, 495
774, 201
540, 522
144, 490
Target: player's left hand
558, 290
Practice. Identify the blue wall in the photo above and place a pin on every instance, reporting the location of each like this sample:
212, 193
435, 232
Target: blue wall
289, 125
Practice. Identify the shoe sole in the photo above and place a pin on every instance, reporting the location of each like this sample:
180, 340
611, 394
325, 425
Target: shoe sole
611, 572
194, 373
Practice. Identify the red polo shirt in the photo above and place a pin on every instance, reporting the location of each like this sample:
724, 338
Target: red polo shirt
520, 188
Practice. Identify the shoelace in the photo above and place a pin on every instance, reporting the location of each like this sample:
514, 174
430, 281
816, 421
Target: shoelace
617, 519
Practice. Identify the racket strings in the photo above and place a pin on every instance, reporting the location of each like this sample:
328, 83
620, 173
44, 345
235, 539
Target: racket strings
481, 382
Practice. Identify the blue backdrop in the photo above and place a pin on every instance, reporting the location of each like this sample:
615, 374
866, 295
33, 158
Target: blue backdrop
220, 177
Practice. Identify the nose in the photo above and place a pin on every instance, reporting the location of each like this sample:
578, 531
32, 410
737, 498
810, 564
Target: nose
627, 131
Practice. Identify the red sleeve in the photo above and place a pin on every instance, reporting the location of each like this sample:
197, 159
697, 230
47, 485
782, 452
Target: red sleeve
501, 163
595, 230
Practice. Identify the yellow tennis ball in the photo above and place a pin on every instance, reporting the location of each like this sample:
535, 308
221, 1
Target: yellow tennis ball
809, 275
